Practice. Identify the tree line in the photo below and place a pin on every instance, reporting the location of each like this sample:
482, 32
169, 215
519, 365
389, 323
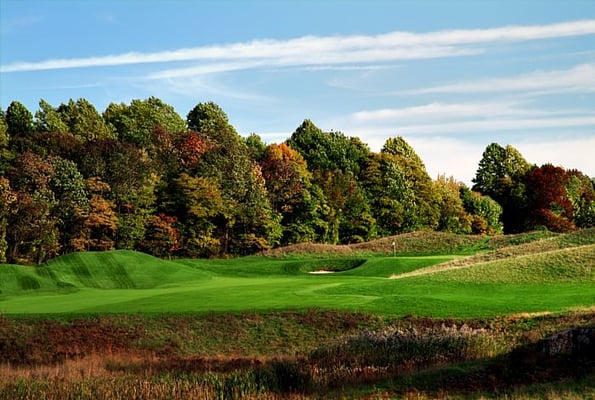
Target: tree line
138, 176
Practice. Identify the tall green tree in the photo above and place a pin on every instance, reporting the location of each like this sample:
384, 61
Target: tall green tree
291, 194
5, 153
328, 151
334, 159
33, 235
8, 199
390, 194
581, 193
257, 227
229, 164
48, 119
72, 199
256, 147
452, 214
83, 120
421, 206
501, 175
351, 220
19, 125
129, 173
19, 120
199, 203
135, 123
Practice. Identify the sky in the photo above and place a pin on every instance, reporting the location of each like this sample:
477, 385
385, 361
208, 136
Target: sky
451, 77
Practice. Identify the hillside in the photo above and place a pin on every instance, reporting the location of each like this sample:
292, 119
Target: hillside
563, 253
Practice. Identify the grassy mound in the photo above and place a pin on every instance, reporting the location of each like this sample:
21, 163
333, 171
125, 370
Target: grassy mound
99, 270
538, 258
575, 264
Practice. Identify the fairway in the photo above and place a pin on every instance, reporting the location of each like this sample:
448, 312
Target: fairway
130, 282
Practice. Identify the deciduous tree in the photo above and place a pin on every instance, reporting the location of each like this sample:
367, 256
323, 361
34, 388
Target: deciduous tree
501, 175
135, 123
8, 199
290, 190
452, 217
48, 119
548, 202
83, 120
421, 206
581, 193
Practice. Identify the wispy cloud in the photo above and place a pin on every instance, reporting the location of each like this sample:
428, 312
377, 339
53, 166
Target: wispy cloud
462, 118
447, 111
580, 78
476, 126
329, 50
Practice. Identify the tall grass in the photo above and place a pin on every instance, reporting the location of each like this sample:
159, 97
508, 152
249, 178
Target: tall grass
347, 361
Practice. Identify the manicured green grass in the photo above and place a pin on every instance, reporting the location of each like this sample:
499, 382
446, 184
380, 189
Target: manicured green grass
507, 281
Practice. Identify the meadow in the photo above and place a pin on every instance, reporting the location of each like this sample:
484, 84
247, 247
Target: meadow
425, 313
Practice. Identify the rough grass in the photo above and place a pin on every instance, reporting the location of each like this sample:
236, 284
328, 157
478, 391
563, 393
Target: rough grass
532, 251
336, 355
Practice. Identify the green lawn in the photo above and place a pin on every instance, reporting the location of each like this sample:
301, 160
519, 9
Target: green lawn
129, 282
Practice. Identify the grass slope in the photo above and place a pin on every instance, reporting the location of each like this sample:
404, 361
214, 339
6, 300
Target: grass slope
542, 272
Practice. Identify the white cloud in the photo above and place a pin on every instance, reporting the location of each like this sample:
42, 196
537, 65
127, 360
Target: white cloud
570, 154
447, 156
314, 50
447, 111
580, 78
455, 118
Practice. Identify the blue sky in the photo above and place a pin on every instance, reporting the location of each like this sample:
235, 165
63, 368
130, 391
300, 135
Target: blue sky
449, 76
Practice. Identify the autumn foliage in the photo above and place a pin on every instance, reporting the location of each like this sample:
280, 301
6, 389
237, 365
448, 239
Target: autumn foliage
140, 177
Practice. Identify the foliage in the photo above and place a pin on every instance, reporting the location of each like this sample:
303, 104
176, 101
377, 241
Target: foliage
83, 120
390, 194
581, 193
328, 151
500, 175
485, 213
548, 200
291, 355
7, 201
48, 119
421, 201
136, 122
317, 187
19, 120
453, 217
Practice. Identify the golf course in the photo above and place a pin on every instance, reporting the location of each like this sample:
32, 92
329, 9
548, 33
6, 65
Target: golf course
552, 274
290, 312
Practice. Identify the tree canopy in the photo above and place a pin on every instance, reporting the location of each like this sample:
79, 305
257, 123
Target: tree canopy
138, 176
